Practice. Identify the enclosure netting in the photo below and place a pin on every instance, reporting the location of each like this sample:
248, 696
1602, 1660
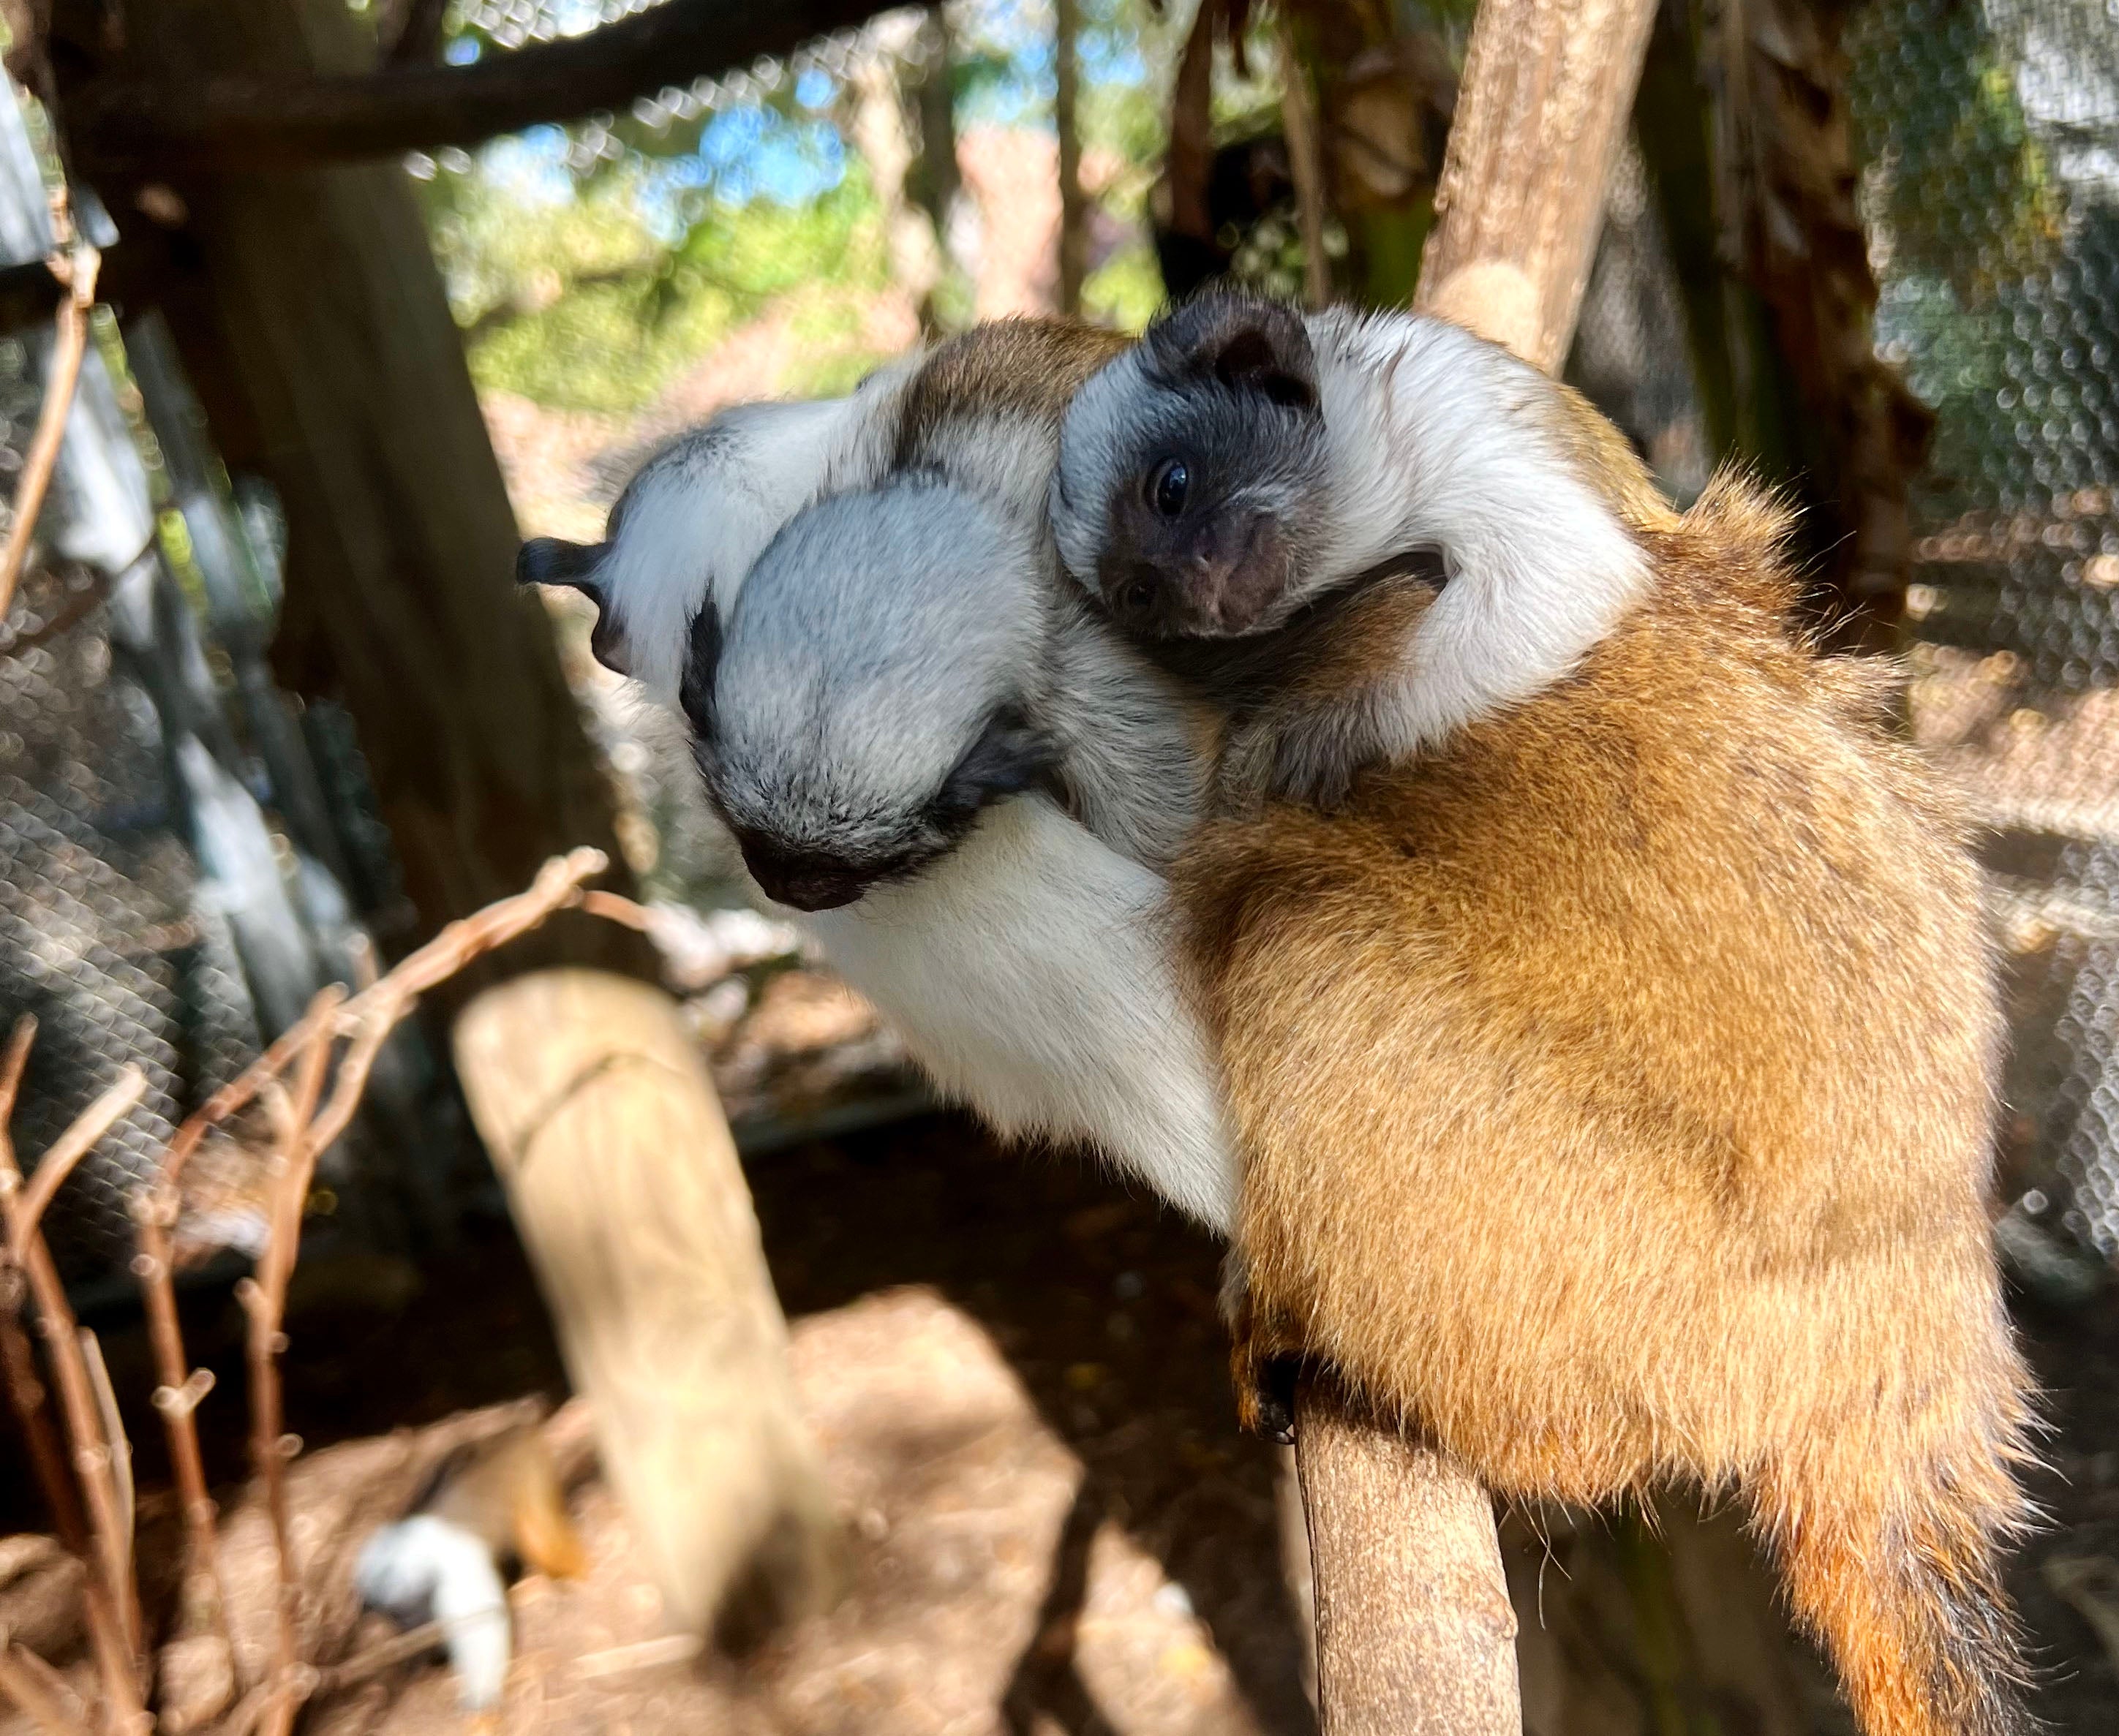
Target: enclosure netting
1991, 132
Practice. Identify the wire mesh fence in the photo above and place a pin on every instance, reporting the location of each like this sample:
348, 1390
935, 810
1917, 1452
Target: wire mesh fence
1991, 132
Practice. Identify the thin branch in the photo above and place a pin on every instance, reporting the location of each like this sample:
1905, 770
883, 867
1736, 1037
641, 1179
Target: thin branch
113, 1432
112, 1607
415, 1642
277, 122
77, 271
306, 1120
36, 1687
12, 1063
264, 1299
177, 1398
68, 1150
557, 887
18, 1361
83, 603
616, 907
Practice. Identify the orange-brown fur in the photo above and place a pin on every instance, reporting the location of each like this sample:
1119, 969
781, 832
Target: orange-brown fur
1615, 1085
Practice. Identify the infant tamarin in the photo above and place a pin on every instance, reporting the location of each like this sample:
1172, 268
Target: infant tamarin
1613, 1070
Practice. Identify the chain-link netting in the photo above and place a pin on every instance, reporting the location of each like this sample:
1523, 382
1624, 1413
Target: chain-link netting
1991, 132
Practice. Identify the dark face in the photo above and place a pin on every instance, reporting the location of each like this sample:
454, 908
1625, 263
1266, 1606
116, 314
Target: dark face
1207, 526
1008, 758
1203, 543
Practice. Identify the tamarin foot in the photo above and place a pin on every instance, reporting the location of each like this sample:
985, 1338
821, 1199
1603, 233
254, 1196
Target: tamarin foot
1265, 1393
1265, 1359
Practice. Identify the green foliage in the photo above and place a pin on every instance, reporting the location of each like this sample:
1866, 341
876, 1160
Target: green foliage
578, 303
1126, 290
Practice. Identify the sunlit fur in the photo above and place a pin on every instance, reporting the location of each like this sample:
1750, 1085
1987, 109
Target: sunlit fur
701, 511
899, 603
1432, 440
1615, 1080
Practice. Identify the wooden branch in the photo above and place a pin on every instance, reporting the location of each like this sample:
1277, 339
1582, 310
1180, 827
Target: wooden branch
36, 1687
264, 1300
18, 1361
1541, 112
237, 123
205, 1608
76, 608
306, 1120
558, 886
76, 270
58, 1164
622, 1178
1416, 1635
113, 1605
1415, 1630
1074, 204
120, 1448
1306, 163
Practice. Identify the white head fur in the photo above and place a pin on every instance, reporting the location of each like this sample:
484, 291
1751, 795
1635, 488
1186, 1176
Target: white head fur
700, 511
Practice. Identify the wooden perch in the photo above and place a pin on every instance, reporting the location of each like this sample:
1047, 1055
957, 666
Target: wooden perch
1416, 1635
624, 1182
1548, 87
1415, 1630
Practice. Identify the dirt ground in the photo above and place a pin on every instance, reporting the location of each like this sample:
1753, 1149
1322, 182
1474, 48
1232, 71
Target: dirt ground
1017, 1376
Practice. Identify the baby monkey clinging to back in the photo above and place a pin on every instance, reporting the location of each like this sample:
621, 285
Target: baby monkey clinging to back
1613, 1070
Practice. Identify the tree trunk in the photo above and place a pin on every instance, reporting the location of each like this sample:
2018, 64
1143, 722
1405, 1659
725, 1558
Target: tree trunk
313, 320
624, 1184
1744, 128
1073, 206
1548, 85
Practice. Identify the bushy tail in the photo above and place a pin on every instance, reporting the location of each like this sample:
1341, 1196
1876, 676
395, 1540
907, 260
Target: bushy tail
1899, 1578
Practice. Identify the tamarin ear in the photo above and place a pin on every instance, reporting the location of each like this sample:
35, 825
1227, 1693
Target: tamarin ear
549, 560
702, 661
1008, 757
1244, 343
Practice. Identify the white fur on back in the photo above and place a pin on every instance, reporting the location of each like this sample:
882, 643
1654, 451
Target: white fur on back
1031, 971
701, 512
1440, 440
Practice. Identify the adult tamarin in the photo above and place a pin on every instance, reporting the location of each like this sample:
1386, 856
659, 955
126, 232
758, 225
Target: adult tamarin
934, 755
1614, 1068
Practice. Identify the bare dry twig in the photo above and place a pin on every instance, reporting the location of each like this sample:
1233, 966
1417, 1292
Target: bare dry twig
36, 1687
113, 1604
306, 1118
75, 1144
75, 263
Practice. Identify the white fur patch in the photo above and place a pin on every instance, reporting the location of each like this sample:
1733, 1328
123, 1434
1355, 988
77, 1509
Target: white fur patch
1439, 440
1031, 971
701, 513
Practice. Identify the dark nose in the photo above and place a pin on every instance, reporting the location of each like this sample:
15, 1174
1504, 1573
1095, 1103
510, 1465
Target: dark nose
798, 878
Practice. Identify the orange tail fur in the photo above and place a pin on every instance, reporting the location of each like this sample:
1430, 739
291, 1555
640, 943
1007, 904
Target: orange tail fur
1906, 1595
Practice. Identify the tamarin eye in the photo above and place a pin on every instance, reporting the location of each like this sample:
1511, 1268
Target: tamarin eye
1167, 486
1139, 596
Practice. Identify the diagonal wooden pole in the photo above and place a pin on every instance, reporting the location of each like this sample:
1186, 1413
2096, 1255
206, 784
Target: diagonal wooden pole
1415, 1630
